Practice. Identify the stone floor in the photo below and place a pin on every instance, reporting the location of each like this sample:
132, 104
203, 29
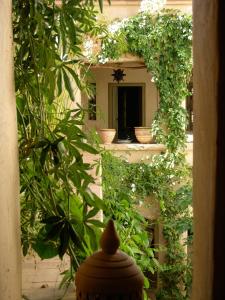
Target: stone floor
41, 279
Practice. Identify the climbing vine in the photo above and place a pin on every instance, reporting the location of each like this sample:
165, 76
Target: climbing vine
164, 41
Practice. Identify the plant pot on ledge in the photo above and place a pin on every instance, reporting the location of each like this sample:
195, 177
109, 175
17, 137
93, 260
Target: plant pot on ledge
143, 134
107, 135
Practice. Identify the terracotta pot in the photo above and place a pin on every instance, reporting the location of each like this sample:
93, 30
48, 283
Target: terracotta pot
107, 135
143, 134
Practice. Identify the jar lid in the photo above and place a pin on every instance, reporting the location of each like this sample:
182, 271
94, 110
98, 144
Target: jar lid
109, 272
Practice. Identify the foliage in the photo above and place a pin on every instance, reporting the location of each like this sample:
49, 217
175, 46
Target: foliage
54, 177
125, 187
164, 41
121, 205
55, 195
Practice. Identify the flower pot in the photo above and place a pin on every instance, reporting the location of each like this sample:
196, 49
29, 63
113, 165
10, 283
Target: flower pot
143, 134
107, 135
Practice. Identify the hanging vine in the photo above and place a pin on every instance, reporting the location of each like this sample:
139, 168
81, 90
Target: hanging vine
164, 41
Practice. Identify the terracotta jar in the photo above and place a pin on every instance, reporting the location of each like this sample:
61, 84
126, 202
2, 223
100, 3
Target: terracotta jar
107, 135
143, 134
109, 274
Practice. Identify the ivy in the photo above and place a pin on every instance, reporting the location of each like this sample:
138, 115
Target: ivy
164, 41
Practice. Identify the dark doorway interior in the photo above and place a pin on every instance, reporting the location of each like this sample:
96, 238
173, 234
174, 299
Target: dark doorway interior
129, 111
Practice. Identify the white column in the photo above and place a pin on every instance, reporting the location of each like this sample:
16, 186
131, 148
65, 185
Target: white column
10, 260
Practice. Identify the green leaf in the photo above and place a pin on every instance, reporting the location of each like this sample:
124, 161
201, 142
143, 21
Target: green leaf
44, 249
43, 155
92, 213
97, 223
101, 5
75, 76
86, 147
51, 220
91, 234
146, 282
64, 241
54, 231
68, 85
100, 2
59, 82
60, 210
73, 236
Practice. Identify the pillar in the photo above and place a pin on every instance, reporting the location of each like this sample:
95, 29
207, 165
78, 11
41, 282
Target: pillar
10, 269
205, 144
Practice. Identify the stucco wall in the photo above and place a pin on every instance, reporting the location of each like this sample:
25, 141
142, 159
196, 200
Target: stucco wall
102, 77
123, 9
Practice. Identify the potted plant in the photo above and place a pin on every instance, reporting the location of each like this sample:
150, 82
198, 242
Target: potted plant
107, 135
143, 134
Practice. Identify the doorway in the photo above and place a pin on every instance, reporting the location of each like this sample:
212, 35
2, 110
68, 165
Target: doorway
126, 102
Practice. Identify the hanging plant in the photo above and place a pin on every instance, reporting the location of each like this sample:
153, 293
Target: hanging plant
164, 40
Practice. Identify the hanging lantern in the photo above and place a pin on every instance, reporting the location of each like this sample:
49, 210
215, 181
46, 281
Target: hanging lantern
118, 75
109, 274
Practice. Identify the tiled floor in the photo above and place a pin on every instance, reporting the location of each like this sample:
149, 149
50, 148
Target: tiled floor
41, 279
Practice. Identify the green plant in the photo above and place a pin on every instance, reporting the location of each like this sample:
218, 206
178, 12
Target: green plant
120, 200
125, 186
57, 207
54, 177
164, 41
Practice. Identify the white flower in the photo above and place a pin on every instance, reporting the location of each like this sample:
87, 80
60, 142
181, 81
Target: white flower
133, 187
88, 47
102, 59
142, 24
151, 5
116, 26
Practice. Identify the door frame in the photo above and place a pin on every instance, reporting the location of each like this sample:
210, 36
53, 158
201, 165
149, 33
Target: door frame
112, 105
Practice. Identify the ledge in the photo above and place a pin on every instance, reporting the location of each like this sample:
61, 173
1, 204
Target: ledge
139, 147
143, 152
134, 147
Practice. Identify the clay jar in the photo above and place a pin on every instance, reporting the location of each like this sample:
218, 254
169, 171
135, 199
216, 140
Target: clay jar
109, 274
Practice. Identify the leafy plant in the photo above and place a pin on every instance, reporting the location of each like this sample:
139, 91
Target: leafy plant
57, 206
164, 41
120, 200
